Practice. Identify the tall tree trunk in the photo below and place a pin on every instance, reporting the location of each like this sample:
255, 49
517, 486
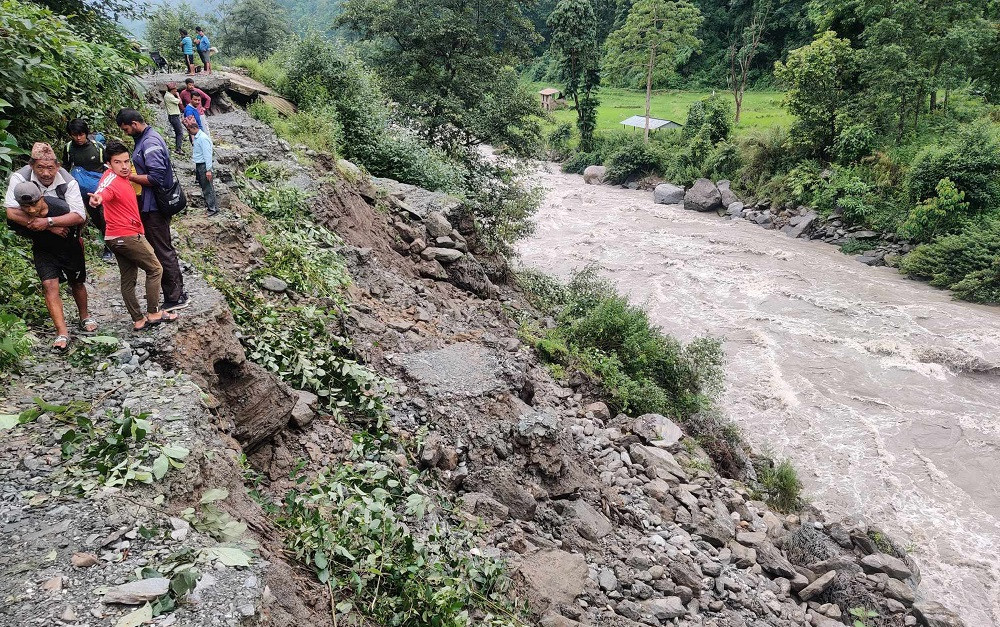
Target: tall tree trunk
739, 107
933, 100
649, 89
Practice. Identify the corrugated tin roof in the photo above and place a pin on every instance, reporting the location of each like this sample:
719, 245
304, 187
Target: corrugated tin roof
639, 121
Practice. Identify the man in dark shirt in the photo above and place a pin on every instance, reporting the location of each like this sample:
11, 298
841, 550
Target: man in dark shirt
83, 153
56, 250
151, 159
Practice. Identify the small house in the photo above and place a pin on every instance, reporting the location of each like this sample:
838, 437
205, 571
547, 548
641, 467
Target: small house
549, 96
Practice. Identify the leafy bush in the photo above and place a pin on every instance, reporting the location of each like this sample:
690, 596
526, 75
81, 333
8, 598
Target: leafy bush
49, 73
263, 112
557, 142
394, 555
501, 204
579, 161
640, 368
848, 195
270, 71
972, 162
936, 215
15, 343
304, 257
966, 261
854, 142
318, 129
715, 114
632, 159
780, 485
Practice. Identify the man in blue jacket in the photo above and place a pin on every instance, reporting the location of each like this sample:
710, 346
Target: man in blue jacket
151, 159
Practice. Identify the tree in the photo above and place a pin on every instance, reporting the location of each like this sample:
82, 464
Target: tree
162, 27
653, 29
252, 27
741, 54
820, 79
440, 58
574, 42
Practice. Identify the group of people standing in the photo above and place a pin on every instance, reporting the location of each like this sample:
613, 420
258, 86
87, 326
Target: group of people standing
191, 122
48, 201
202, 44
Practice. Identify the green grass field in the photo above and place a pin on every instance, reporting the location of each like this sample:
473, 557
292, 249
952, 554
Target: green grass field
761, 109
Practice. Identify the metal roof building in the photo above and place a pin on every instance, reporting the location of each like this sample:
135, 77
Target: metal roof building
639, 121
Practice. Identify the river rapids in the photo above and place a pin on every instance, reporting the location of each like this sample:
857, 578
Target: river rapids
883, 391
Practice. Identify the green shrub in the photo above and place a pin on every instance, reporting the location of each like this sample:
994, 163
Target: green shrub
15, 343
500, 203
850, 196
780, 485
557, 141
49, 73
938, 215
269, 71
633, 159
971, 161
641, 369
965, 261
854, 142
263, 112
318, 129
579, 161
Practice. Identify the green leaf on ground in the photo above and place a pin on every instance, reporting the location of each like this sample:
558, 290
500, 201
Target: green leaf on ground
229, 556
142, 615
8, 421
160, 467
215, 494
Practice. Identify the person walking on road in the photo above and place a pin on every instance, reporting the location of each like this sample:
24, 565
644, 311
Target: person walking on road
56, 250
151, 159
83, 158
126, 237
172, 103
201, 154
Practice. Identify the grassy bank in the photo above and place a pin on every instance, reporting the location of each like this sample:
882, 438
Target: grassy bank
761, 109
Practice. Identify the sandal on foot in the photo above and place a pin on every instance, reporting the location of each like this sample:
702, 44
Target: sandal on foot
61, 343
145, 324
88, 325
165, 317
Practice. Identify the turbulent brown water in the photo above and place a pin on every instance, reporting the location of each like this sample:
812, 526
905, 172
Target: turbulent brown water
883, 391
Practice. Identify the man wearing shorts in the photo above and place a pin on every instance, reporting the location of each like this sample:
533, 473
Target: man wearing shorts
204, 49
57, 252
187, 47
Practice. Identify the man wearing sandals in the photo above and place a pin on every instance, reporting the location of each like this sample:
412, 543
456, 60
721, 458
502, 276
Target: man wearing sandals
125, 236
43, 204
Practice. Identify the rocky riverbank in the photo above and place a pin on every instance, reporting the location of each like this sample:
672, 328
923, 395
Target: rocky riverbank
603, 518
866, 246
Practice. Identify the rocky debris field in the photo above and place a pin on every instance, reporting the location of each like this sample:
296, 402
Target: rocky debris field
603, 518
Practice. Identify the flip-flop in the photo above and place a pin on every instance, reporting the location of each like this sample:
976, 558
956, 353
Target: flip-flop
86, 322
143, 327
60, 338
166, 317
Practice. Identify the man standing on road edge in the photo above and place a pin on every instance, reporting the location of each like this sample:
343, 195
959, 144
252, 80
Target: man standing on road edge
151, 159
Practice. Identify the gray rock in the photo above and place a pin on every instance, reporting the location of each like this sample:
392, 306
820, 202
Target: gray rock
595, 174
869, 260
818, 587
728, 197
804, 222
718, 530
351, 171
437, 225
273, 284
900, 591
764, 219
304, 410
470, 275
589, 523
660, 461
630, 610
864, 235
735, 209
657, 430
772, 561
668, 194
882, 563
137, 592
743, 557
553, 578
606, 580
703, 196
444, 255
665, 609
933, 614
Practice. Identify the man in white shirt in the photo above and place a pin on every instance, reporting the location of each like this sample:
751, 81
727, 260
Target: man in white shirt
43, 168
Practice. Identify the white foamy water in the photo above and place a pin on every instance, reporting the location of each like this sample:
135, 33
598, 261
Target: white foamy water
883, 391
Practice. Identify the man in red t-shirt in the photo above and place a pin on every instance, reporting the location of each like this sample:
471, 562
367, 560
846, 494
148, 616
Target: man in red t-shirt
125, 236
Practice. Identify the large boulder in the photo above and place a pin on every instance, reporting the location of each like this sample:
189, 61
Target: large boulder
552, 578
668, 194
728, 197
932, 614
595, 174
703, 196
